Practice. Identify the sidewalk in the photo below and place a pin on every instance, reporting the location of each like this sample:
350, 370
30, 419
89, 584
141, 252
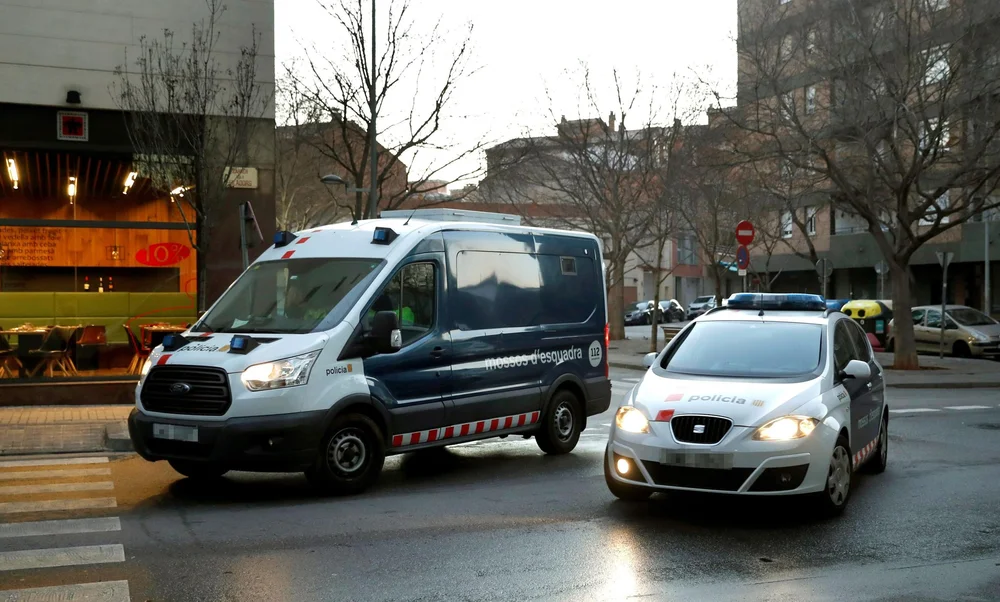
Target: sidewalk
946, 373
58, 429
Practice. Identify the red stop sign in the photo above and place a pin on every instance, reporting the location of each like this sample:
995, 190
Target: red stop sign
744, 233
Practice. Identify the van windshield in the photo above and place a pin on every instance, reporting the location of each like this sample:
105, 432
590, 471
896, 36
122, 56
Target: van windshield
287, 296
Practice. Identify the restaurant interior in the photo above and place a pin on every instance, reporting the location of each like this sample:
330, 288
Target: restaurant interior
96, 266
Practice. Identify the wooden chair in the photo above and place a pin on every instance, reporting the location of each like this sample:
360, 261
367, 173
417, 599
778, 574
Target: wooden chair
139, 351
10, 366
54, 352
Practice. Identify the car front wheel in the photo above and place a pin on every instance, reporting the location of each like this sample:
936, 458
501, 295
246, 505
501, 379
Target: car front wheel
350, 457
833, 499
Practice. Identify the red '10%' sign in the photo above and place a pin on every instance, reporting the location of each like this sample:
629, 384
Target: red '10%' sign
163, 254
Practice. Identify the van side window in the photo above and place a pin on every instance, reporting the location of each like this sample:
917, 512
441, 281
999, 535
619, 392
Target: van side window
497, 290
411, 294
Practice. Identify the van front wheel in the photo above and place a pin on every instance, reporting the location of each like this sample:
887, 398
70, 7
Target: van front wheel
561, 424
350, 456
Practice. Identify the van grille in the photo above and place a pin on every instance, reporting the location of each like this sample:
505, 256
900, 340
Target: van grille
714, 429
207, 392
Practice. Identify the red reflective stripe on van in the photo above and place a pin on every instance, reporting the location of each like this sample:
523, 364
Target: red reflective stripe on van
495, 424
462, 430
414, 438
163, 359
449, 432
480, 427
508, 422
432, 436
397, 440
534, 417
302, 240
288, 254
465, 430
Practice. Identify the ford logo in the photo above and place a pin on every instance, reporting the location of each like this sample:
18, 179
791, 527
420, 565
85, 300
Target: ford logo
180, 388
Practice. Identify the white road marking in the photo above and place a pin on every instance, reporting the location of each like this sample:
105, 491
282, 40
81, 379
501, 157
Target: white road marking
107, 591
54, 474
53, 462
632, 380
606, 425
60, 527
53, 557
967, 407
912, 410
56, 488
55, 505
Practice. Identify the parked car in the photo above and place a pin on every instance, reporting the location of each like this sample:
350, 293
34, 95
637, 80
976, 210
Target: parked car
968, 332
700, 305
640, 313
672, 311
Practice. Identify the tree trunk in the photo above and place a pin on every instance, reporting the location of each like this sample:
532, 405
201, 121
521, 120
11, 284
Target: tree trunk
655, 321
718, 288
616, 300
905, 352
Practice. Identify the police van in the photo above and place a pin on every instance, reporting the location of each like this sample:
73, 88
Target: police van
347, 343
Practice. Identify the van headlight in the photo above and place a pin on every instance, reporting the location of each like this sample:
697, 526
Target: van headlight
145, 369
631, 420
291, 372
786, 428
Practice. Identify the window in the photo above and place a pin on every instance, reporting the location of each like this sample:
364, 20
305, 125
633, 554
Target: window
411, 294
966, 316
933, 212
748, 350
843, 347
810, 100
933, 319
568, 266
860, 340
786, 224
686, 251
918, 316
787, 106
811, 220
568, 298
936, 61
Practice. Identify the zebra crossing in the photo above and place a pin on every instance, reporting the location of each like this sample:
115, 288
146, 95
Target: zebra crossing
72, 495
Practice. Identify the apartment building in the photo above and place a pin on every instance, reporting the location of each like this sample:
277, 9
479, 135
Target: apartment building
894, 89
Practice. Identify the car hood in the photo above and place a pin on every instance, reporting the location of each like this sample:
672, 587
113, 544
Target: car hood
746, 402
991, 330
212, 350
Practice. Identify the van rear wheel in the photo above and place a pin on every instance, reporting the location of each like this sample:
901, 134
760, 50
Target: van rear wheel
350, 456
561, 424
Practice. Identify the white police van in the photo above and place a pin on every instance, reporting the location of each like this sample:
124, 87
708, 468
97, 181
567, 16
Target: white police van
350, 342
768, 395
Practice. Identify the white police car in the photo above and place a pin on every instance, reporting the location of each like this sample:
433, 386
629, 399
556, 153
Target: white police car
768, 395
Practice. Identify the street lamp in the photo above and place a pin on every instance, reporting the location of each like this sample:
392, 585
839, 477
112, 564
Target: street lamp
335, 180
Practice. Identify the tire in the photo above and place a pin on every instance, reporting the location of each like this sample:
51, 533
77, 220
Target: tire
961, 349
880, 459
350, 456
623, 491
198, 471
561, 424
833, 499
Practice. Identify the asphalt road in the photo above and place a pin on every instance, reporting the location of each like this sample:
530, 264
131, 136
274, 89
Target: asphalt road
498, 520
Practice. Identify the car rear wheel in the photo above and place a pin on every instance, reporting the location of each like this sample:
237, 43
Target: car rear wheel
561, 424
198, 471
350, 457
623, 491
833, 499
880, 459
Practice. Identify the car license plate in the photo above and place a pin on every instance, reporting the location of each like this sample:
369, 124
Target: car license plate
175, 432
697, 460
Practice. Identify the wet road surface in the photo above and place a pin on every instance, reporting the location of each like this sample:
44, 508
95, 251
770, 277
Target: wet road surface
498, 520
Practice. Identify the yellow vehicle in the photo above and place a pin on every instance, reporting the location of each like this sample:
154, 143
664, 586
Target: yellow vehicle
873, 316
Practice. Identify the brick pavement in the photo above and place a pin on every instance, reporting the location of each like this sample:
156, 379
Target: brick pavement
55, 429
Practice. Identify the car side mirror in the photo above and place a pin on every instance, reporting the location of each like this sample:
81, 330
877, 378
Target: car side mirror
649, 359
858, 369
385, 335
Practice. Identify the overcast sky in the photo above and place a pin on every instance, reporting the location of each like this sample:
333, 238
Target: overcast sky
524, 47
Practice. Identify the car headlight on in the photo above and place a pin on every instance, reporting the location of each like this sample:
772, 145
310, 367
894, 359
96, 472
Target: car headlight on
786, 428
979, 337
291, 372
631, 420
145, 370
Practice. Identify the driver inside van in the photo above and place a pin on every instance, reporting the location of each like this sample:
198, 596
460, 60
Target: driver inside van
297, 301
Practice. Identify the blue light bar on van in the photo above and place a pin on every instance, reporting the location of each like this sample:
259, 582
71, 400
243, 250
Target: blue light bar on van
242, 344
383, 236
776, 302
282, 238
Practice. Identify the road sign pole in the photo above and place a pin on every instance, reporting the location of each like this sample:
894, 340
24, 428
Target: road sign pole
944, 258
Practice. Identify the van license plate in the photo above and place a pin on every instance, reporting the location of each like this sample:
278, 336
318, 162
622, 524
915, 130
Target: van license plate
692, 460
175, 432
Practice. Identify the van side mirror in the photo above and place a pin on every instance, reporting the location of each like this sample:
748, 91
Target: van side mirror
649, 359
858, 369
385, 335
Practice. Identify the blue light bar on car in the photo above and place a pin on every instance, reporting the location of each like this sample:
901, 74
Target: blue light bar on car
777, 302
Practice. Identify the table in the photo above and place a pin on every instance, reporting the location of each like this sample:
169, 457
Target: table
26, 341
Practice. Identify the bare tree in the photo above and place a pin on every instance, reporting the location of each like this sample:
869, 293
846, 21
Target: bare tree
190, 118
893, 105
593, 175
413, 94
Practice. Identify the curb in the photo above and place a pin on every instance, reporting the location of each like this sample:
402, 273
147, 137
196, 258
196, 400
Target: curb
116, 438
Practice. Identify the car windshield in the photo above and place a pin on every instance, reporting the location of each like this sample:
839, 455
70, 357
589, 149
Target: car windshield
971, 317
748, 350
286, 296
642, 305
703, 299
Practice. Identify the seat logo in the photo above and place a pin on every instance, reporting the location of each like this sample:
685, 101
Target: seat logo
180, 388
699, 429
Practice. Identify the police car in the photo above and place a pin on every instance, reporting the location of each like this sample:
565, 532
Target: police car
768, 395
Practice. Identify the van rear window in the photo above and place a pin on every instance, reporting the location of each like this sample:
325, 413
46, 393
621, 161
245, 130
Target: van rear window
515, 290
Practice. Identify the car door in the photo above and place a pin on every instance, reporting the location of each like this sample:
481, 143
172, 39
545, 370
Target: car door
919, 330
874, 399
932, 331
412, 381
859, 391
